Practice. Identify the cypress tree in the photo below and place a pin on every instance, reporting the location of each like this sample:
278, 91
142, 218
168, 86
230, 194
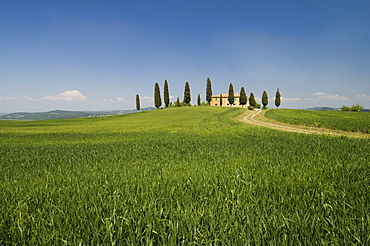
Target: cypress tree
252, 101
178, 102
243, 97
166, 94
231, 98
265, 99
157, 96
209, 91
137, 102
198, 100
277, 98
187, 97
220, 99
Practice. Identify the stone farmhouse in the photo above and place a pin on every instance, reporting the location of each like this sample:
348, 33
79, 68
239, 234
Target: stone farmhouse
225, 102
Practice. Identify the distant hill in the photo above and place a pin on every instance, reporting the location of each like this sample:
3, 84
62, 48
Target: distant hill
61, 114
51, 115
330, 109
323, 109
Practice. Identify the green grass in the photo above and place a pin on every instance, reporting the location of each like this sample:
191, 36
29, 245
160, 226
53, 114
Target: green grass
337, 120
186, 175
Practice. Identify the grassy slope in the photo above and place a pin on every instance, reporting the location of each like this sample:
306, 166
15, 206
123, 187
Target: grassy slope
179, 176
337, 120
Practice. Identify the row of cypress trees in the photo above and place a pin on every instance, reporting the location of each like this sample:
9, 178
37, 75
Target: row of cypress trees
166, 95
252, 101
187, 97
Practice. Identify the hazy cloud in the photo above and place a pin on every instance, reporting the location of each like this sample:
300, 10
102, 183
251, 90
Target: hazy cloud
7, 98
291, 99
286, 99
70, 96
319, 93
309, 99
147, 99
118, 100
330, 97
362, 97
27, 98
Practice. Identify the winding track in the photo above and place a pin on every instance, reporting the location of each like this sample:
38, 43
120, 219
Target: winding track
257, 118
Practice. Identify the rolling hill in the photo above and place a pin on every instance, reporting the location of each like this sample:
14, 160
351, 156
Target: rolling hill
62, 114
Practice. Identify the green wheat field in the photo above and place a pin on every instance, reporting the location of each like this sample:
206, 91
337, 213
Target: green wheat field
337, 120
180, 176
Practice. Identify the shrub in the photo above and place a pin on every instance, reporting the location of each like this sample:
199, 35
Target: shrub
345, 108
355, 107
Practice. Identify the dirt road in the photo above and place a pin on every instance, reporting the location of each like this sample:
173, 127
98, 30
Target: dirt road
256, 117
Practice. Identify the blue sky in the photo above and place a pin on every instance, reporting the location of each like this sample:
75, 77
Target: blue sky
97, 55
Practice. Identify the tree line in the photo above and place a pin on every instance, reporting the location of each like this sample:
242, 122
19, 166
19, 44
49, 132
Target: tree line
187, 97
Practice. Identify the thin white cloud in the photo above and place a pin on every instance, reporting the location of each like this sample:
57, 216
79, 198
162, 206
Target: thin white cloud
7, 98
318, 93
70, 96
147, 99
118, 100
27, 98
290, 99
353, 91
362, 97
286, 99
329, 96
